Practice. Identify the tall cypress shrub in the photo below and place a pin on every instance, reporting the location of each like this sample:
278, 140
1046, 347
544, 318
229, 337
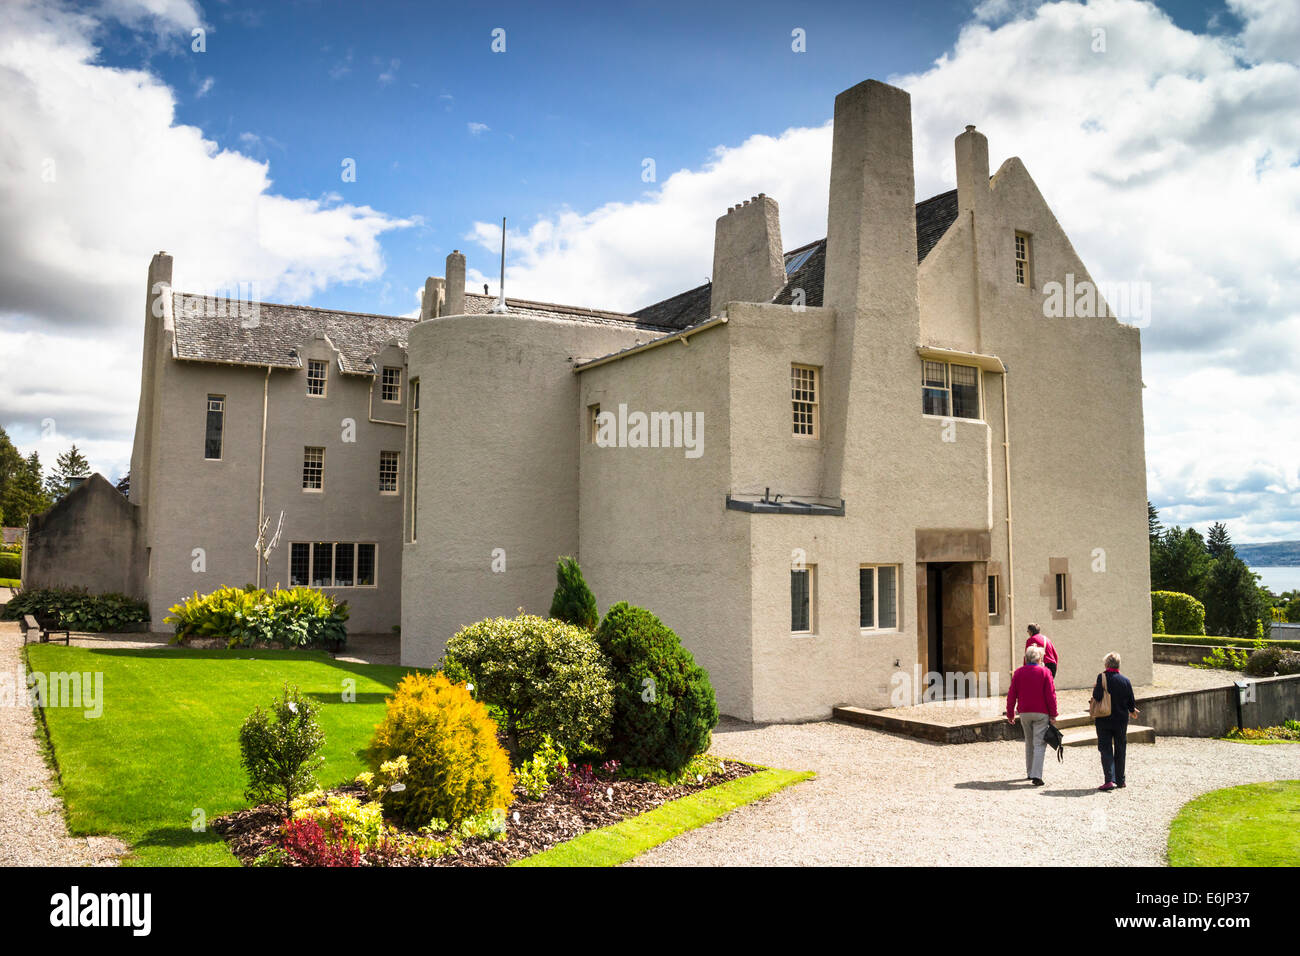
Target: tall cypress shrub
573, 602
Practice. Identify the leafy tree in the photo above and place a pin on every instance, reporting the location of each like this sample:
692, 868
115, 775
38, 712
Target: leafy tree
280, 749
71, 464
21, 492
124, 484
1180, 562
1233, 599
1219, 543
573, 602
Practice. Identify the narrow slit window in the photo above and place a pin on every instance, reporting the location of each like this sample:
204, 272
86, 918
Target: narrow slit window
365, 565
414, 490
1022, 259
805, 401
934, 388
1061, 592
593, 423
216, 426
801, 600
993, 595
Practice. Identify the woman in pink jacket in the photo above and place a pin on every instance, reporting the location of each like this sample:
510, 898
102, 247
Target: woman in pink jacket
1036, 637
1033, 693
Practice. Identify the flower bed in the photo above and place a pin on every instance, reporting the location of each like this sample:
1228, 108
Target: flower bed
531, 826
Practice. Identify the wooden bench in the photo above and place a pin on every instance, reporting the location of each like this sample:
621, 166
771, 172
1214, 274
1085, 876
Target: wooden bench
43, 628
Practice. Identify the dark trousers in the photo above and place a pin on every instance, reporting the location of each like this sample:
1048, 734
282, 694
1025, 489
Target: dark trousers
1112, 742
1051, 667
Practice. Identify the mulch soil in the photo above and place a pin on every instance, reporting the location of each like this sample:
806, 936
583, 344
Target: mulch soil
541, 824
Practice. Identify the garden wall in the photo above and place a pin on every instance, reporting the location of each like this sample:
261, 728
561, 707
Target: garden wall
1212, 712
90, 539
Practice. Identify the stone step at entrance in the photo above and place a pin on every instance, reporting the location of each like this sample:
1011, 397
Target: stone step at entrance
1086, 736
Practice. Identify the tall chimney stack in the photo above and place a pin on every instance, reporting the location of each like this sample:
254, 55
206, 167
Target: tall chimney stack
435, 293
972, 155
455, 295
748, 261
871, 270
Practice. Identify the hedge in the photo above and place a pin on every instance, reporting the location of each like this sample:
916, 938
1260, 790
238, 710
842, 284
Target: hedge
1181, 613
11, 565
1219, 641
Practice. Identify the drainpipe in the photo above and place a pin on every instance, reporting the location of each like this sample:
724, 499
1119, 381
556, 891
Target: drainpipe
1011, 554
261, 477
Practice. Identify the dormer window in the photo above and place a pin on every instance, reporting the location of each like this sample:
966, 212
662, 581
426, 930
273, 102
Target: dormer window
390, 386
317, 370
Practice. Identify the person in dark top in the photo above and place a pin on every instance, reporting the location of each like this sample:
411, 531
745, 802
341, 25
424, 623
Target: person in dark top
1112, 731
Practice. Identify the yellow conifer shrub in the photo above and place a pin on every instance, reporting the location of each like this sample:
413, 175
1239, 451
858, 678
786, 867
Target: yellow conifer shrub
456, 767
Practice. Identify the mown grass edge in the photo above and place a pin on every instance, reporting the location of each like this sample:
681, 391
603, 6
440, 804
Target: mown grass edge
622, 841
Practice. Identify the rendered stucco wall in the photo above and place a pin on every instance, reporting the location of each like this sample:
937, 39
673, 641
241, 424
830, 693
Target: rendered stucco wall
654, 527
498, 467
90, 539
194, 503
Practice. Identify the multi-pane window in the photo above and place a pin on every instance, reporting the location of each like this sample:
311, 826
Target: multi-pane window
993, 595
388, 472
216, 426
414, 489
1062, 592
317, 371
951, 391
331, 564
804, 400
390, 387
1022, 259
801, 599
313, 469
878, 597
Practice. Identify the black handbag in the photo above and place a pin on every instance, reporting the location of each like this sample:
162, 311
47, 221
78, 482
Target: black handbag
1056, 740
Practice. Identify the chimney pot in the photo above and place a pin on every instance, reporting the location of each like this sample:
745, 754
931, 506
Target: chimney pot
970, 128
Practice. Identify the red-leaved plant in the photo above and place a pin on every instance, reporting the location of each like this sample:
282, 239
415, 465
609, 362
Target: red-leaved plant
307, 843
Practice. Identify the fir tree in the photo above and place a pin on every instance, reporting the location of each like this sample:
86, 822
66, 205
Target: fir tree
573, 602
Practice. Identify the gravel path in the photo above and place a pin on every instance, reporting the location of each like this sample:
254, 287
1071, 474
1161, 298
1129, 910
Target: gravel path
886, 799
1165, 677
32, 830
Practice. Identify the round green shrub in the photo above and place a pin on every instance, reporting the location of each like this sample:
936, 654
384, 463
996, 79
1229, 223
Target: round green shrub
664, 706
1268, 661
547, 677
1182, 613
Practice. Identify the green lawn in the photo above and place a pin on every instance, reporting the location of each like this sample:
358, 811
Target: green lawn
10, 583
168, 740
612, 845
1253, 825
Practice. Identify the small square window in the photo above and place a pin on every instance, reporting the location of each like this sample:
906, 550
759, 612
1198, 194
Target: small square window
390, 388
317, 372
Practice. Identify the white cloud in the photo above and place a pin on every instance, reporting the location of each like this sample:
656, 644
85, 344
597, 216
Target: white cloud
476, 128
390, 74
98, 178
1272, 30
205, 87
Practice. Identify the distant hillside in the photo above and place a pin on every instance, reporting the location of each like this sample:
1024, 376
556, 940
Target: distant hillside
1271, 554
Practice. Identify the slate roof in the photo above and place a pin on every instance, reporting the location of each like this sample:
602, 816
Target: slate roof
213, 330
476, 304
933, 217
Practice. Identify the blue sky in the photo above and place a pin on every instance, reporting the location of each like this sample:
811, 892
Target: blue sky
572, 107
1170, 152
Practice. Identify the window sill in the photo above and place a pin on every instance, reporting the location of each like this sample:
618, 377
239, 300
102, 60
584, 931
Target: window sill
879, 632
313, 491
954, 418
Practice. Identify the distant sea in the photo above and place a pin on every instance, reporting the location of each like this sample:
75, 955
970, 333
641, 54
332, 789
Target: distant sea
1278, 580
